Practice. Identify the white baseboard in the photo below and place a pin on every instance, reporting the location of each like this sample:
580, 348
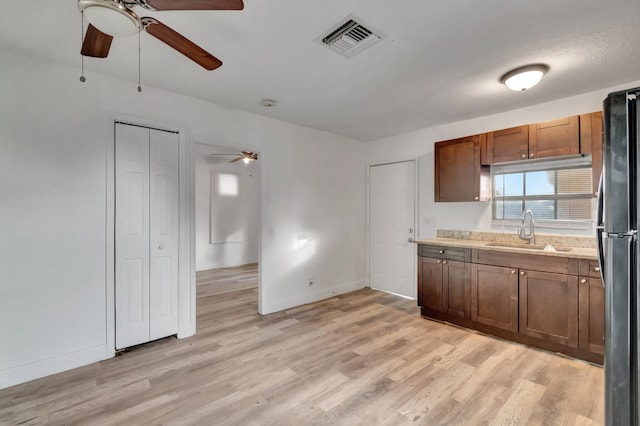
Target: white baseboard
56, 364
312, 297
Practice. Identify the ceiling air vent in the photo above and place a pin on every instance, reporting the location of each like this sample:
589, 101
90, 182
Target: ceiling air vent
350, 36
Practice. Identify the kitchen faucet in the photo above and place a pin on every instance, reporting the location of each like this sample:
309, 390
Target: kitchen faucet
531, 235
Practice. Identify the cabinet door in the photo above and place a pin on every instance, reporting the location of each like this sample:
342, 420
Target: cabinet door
494, 297
549, 307
430, 283
591, 314
508, 145
456, 283
553, 138
458, 173
591, 143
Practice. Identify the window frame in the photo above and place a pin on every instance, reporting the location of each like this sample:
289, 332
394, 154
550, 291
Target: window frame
542, 165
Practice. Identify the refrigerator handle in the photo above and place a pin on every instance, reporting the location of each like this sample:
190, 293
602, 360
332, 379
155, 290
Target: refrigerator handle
600, 228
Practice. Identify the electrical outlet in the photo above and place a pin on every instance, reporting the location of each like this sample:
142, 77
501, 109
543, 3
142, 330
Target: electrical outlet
311, 280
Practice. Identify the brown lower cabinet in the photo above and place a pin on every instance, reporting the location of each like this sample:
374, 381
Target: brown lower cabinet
494, 297
549, 306
445, 286
591, 315
559, 309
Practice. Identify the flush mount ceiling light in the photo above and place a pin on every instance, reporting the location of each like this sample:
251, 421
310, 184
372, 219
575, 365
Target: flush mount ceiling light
111, 17
524, 78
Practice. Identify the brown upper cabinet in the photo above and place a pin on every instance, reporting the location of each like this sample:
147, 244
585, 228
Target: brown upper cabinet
508, 145
458, 173
540, 140
591, 143
462, 165
555, 138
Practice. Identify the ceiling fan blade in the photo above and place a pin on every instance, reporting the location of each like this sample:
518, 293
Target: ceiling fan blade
237, 159
96, 43
196, 4
181, 44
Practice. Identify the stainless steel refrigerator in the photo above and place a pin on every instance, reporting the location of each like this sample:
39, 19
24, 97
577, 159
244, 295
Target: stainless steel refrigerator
618, 251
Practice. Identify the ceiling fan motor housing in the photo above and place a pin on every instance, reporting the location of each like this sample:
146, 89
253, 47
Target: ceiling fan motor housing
111, 17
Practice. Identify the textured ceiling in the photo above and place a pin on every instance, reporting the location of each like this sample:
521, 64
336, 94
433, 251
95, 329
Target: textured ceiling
440, 62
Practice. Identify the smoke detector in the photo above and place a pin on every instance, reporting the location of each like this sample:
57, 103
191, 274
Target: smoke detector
350, 36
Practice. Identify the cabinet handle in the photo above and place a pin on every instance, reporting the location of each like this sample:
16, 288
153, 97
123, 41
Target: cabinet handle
583, 281
513, 272
524, 156
438, 261
444, 262
476, 198
597, 269
521, 273
532, 156
441, 251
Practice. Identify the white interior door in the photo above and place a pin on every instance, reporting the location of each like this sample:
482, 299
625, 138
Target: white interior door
164, 244
132, 235
147, 234
391, 225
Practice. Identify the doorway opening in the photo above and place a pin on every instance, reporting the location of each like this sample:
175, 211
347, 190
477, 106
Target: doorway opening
227, 217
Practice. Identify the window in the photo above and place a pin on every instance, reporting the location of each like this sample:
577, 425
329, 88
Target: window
553, 191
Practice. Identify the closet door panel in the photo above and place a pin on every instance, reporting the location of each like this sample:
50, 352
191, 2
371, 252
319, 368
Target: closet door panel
164, 233
132, 235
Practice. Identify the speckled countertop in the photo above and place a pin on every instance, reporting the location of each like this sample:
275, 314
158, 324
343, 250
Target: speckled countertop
581, 247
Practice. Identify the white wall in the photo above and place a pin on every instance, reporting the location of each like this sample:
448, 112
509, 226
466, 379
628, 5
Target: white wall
473, 216
234, 219
54, 136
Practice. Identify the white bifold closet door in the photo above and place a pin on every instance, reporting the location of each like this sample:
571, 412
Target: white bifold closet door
146, 234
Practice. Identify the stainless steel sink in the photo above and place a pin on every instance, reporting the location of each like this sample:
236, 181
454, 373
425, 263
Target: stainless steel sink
538, 247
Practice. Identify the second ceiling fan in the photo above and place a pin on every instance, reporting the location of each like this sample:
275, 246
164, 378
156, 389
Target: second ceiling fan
109, 18
246, 157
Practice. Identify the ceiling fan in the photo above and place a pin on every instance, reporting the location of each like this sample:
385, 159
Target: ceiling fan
109, 18
246, 156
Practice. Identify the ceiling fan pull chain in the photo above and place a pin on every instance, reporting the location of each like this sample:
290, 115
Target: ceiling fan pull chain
82, 79
139, 66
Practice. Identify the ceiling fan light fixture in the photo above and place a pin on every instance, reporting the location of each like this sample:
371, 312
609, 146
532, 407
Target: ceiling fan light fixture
110, 17
523, 78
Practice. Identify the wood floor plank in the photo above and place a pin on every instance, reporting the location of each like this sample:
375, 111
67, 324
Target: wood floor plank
365, 357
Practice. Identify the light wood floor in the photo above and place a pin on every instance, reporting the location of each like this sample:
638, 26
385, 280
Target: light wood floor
364, 358
227, 280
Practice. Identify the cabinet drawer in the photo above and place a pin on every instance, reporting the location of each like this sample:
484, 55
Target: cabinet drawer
445, 252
